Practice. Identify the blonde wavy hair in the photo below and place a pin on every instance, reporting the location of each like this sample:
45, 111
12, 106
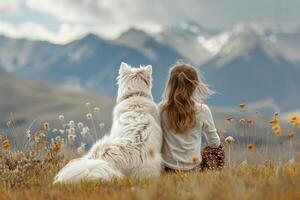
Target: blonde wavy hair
183, 89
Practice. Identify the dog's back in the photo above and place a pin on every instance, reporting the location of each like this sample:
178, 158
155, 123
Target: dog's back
137, 121
134, 144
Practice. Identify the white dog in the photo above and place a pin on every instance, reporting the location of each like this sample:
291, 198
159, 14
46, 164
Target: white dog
134, 144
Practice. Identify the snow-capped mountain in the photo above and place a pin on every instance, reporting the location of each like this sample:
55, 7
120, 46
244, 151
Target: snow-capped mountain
250, 66
254, 76
255, 62
184, 38
89, 63
200, 44
244, 37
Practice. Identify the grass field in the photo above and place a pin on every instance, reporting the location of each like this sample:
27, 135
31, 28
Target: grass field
259, 165
265, 181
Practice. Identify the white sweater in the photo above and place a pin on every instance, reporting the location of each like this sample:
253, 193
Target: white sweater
183, 151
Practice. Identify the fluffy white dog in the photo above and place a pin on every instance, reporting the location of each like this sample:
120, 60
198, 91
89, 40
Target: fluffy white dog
133, 146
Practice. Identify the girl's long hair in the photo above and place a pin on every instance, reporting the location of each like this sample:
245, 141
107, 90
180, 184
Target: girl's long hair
183, 89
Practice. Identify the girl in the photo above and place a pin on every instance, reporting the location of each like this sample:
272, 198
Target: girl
184, 117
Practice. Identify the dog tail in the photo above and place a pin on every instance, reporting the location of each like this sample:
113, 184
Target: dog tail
86, 169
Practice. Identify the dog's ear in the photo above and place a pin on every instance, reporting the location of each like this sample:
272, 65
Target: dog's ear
148, 69
124, 67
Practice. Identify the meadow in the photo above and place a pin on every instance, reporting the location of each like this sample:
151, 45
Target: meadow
262, 162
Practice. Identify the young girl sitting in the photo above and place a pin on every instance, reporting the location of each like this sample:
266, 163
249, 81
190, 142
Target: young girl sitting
184, 118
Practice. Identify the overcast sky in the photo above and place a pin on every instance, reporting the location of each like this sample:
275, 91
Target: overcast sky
60, 21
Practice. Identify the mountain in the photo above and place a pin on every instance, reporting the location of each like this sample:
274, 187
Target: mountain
250, 68
201, 44
40, 101
184, 37
157, 52
255, 63
89, 63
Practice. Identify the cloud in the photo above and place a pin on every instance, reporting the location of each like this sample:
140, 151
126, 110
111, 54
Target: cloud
9, 6
78, 11
217, 13
109, 18
148, 15
66, 31
35, 31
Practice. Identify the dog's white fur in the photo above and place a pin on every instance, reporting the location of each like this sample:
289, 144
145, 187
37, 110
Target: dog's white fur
133, 146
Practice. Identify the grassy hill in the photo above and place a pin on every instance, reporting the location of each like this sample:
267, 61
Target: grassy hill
26, 101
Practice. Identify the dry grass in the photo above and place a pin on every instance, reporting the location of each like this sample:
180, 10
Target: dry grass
263, 165
264, 181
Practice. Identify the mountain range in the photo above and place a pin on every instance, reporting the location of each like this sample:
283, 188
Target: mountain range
254, 63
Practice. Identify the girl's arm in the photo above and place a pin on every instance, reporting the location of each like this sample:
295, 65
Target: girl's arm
209, 128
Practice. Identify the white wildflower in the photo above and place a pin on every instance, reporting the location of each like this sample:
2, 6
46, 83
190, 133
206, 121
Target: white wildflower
87, 104
229, 140
61, 131
61, 117
8, 123
71, 138
81, 149
96, 109
71, 123
80, 125
71, 131
101, 125
85, 131
89, 116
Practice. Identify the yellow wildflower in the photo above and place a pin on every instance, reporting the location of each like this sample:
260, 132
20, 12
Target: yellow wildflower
290, 136
250, 147
249, 121
6, 144
274, 120
295, 120
276, 127
277, 132
242, 105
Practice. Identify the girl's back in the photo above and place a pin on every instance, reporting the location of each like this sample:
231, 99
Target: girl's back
184, 118
182, 151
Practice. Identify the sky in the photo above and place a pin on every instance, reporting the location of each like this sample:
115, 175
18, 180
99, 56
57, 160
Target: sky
61, 21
